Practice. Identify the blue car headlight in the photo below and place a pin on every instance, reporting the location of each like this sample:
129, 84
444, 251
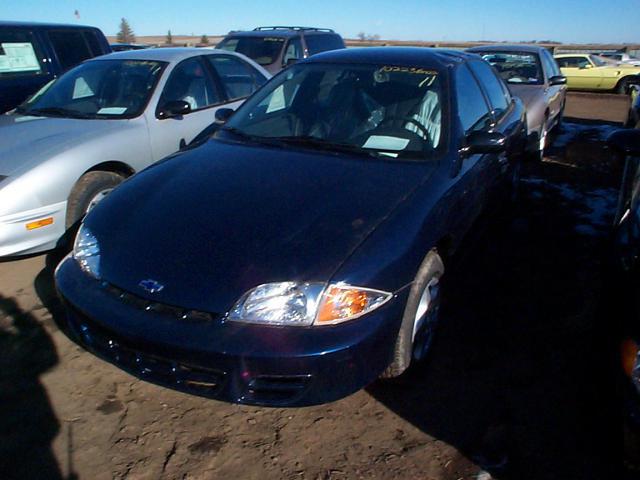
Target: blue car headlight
86, 251
306, 304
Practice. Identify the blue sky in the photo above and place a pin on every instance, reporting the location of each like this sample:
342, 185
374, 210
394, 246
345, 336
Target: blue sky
579, 21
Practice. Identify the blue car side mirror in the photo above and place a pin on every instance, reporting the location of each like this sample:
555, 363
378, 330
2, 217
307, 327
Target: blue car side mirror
484, 142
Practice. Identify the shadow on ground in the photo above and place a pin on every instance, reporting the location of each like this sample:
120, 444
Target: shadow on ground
28, 423
44, 285
522, 373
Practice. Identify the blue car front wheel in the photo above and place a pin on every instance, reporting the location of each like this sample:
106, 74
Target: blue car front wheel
420, 316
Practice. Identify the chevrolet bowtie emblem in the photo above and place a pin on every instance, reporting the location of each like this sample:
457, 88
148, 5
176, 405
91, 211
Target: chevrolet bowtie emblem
151, 286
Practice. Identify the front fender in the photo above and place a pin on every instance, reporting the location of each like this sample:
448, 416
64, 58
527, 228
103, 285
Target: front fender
389, 258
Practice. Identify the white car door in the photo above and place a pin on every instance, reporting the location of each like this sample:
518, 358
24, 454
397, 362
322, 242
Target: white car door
191, 81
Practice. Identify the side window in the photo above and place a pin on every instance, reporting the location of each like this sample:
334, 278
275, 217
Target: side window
546, 66
573, 62
70, 47
239, 79
190, 82
293, 51
472, 108
317, 43
550, 64
18, 54
94, 43
494, 88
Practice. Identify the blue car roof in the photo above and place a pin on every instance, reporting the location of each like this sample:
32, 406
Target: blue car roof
414, 56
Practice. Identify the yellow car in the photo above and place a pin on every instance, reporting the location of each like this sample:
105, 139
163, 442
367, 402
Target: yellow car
591, 72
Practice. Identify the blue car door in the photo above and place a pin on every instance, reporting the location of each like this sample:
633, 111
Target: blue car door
472, 172
497, 166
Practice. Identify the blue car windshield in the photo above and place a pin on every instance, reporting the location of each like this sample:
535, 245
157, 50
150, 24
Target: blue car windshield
97, 89
374, 109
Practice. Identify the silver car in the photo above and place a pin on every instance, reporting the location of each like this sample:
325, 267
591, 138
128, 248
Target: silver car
533, 75
81, 135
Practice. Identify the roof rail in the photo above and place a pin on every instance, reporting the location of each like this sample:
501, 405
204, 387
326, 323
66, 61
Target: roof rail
282, 27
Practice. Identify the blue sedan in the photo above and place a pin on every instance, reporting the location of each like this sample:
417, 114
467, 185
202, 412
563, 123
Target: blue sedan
295, 253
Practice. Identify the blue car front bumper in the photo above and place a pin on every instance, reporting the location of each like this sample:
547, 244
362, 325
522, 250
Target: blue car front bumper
243, 363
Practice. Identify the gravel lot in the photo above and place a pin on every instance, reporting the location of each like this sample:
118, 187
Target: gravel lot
520, 369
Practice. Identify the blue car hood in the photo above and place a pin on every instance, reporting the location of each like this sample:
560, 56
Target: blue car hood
218, 220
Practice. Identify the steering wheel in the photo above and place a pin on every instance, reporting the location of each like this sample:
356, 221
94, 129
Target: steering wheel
418, 125
421, 128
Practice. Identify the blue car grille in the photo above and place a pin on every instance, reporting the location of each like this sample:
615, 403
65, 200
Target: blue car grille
154, 368
140, 303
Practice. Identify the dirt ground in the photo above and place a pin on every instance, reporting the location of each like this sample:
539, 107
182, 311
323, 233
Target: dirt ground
606, 107
519, 381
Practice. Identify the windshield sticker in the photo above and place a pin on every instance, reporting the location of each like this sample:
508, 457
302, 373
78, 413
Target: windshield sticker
112, 111
412, 70
18, 57
384, 142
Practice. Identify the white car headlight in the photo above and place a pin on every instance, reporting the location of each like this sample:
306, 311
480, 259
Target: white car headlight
305, 304
86, 251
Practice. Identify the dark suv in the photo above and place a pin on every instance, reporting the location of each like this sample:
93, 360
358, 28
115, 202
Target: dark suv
277, 47
32, 54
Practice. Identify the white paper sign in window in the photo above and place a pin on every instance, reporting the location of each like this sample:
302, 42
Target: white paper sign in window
81, 89
18, 58
277, 101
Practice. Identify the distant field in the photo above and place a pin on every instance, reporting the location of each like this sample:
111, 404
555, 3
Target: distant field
179, 40
193, 40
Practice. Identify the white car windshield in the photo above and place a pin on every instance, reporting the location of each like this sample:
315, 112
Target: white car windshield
393, 111
97, 89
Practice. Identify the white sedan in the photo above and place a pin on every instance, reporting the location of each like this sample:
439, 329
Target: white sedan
81, 135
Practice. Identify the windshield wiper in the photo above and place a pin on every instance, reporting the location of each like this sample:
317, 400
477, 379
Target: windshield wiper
320, 143
55, 112
252, 138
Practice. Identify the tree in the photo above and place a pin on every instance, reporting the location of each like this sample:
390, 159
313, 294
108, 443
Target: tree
125, 35
169, 40
204, 40
363, 37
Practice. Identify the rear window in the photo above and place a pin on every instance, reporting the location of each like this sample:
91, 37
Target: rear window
18, 54
262, 50
238, 78
70, 46
323, 43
